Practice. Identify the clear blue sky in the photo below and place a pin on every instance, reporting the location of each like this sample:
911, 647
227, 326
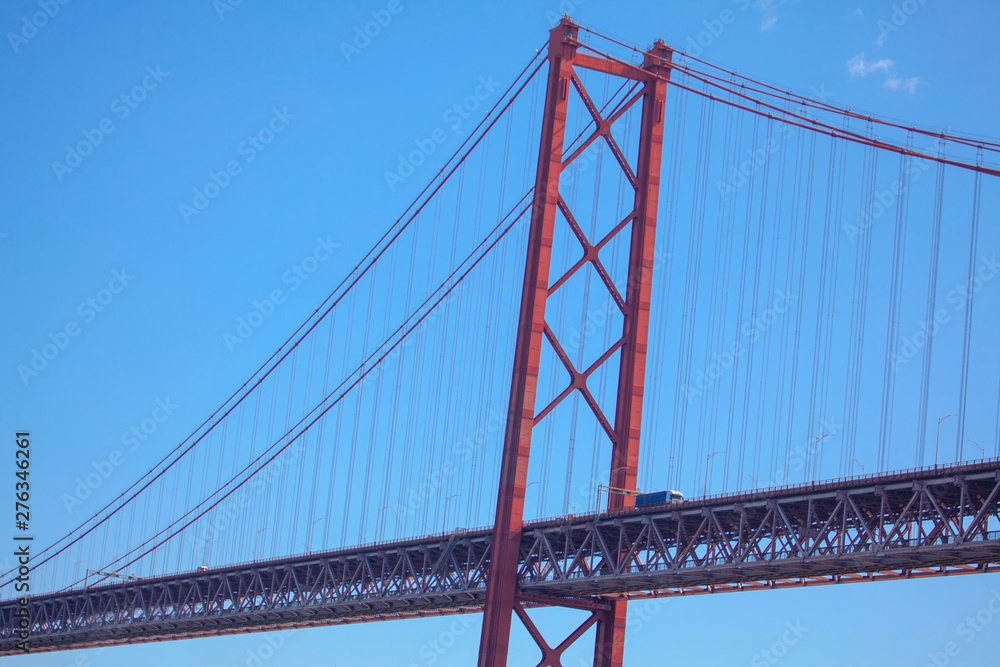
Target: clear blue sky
202, 76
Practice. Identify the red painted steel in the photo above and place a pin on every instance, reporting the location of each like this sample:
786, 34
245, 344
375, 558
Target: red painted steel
502, 578
609, 651
624, 433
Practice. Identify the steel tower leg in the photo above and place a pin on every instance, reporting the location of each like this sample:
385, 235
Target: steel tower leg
632, 372
502, 599
506, 544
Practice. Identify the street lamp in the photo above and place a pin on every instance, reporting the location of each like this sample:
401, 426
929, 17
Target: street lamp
377, 515
816, 453
446, 501
860, 464
981, 450
204, 558
312, 527
755, 482
707, 459
937, 442
257, 537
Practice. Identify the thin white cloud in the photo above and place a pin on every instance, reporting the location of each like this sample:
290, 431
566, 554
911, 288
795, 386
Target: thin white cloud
898, 83
769, 13
858, 66
860, 14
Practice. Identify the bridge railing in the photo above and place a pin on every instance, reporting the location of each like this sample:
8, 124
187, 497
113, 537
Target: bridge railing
831, 483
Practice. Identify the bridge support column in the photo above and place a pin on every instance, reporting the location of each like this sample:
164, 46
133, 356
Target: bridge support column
502, 602
632, 372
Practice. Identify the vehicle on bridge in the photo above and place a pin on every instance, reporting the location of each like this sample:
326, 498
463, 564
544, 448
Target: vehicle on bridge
658, 497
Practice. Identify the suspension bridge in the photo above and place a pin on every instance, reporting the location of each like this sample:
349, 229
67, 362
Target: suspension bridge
640, 272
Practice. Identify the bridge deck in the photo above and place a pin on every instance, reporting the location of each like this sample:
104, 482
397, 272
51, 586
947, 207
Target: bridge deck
925, 522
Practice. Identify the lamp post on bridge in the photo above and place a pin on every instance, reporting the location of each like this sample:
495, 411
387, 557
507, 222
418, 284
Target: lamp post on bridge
816, 453
981, 450
937, 440
257, 539
860, 464
377, 515
311, 528
446, 501
707, 459
204, 558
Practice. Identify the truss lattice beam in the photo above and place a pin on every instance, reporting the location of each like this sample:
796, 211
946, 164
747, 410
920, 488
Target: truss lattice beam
922, 523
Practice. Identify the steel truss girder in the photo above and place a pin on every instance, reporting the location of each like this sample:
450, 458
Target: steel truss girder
402, 580
916, 527
906, 525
